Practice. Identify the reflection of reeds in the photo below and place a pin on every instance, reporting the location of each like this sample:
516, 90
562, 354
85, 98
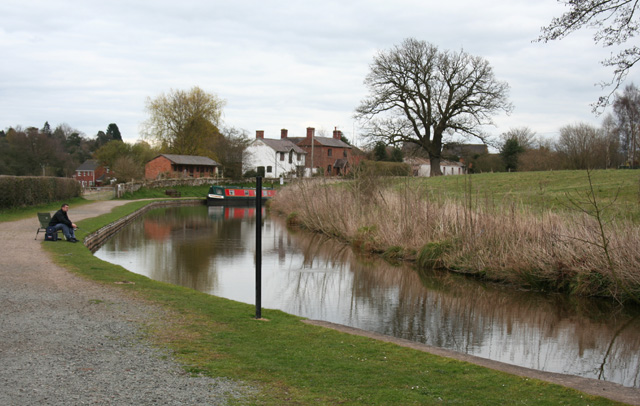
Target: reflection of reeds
545, 251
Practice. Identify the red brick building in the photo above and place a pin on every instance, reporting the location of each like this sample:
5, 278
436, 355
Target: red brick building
176, 166
90, 173
328, 156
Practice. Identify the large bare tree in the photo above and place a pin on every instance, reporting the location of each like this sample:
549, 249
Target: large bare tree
418, 94
615, 22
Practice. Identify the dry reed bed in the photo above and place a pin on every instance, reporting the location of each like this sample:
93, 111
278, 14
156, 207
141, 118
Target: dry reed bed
544, 251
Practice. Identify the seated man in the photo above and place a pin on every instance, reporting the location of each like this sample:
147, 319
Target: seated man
61, 221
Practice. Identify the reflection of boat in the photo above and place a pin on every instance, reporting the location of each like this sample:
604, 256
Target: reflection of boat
235, 212
234, 195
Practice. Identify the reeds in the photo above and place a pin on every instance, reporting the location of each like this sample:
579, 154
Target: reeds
549, 251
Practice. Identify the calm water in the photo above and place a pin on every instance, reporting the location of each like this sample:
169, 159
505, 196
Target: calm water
212, 249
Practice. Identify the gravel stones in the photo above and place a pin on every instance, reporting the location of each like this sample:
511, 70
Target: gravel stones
68, 341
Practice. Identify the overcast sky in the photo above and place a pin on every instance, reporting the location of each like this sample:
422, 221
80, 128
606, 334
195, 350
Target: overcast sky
278, 64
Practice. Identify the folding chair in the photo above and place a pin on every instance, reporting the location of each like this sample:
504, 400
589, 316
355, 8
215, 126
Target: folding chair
44, 219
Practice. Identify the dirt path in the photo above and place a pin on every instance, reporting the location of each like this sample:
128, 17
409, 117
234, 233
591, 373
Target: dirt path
66, 340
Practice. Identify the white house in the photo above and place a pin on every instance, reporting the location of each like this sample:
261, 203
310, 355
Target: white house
422, 167
274, 158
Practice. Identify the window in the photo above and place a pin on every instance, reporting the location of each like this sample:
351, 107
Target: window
329, 169
290, 157
344, 153
299, 156
282, 156
329, 152
269, 169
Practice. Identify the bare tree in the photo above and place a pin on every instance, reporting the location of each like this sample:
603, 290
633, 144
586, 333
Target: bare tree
524, 135
626, 109
417, 94
615, 22
582, 146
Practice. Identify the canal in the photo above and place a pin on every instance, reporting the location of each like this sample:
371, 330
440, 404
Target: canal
212, 249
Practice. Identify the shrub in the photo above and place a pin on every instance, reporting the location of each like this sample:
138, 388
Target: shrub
19, 191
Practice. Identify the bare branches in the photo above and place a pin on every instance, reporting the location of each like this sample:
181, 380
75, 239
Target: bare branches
418, 93
615, 22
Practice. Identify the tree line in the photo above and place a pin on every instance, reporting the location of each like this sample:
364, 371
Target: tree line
45, 151
614, 144
180, 122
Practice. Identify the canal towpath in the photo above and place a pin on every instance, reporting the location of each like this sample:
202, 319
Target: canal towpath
67, 340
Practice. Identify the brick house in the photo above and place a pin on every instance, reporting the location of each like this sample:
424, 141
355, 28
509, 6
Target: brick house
176, 166
90, 173
328, 156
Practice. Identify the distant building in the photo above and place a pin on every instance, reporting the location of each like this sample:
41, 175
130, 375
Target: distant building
422, 167
328, 156
90, 173
273, 158
176, 166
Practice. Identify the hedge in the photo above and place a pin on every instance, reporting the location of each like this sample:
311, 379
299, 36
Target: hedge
20, 191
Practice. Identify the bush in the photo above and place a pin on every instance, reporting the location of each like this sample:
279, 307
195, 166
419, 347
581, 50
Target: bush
20, 191
380, 168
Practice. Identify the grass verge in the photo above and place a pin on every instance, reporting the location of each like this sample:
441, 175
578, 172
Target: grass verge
295, 363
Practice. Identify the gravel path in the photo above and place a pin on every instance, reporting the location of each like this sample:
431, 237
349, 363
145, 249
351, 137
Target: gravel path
68, 341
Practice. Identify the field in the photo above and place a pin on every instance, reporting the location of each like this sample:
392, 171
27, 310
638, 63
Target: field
541, 191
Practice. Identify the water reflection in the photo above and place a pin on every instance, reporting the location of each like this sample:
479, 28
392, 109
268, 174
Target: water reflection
212, 250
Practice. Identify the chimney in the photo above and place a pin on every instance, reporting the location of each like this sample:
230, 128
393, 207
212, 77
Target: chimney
259, 134
283, 133
310, 131
337, 134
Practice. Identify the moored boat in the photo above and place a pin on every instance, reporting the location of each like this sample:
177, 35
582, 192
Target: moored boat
235, 195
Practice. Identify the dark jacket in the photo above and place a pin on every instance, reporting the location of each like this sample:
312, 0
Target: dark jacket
60, 217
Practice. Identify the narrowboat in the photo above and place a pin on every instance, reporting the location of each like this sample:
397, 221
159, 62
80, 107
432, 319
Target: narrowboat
234, 195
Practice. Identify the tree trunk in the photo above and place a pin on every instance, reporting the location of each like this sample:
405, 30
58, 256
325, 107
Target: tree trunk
435, 166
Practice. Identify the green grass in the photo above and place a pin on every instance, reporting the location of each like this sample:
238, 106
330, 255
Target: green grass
295, 363
31, 211
543, 190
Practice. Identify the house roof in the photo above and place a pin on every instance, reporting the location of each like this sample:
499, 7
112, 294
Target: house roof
282, 145
88, 165
325, 141
189, 159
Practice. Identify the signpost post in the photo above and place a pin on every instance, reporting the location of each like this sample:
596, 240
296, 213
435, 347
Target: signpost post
258, 247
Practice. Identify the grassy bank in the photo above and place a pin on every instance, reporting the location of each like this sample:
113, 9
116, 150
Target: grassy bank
499, 232
295, 363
